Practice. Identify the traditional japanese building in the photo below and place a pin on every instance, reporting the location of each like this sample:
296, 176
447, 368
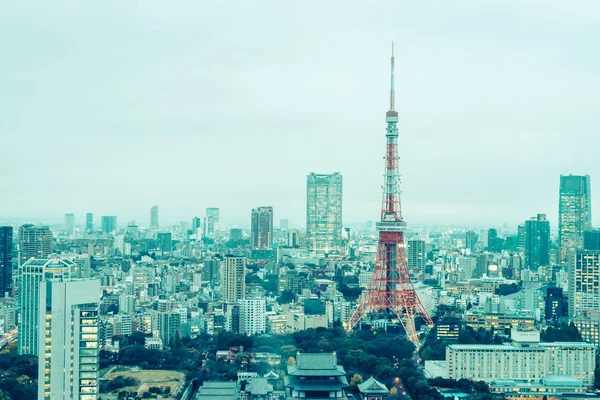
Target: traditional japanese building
315, 376
372, 389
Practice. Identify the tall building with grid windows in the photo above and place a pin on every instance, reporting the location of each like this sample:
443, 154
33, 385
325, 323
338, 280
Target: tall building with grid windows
233, 278
584, 281
261, 237
68, 340
574, 212
34, 242
324, 212
32, 273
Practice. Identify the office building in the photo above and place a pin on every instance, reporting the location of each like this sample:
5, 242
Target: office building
584, 281
324, 212
154, 217
89, 222
233, 277
525, 360
211, 272
34, 242
557, 304
196, 225
210, 221
69, 223
261, 237
591, 240
6, 253
109, 224
284, 224
68, 365
416, 255
574, 212
165, 241
253, 316
466, 266
235, 236
537, 242
32, 273
471, 240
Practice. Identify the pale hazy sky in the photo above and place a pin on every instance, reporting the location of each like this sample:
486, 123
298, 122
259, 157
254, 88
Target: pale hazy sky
114, 106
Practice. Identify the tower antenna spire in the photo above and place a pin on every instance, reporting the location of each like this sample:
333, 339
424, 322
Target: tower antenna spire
392, 83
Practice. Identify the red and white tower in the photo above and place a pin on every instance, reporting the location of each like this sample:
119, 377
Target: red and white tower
391, 291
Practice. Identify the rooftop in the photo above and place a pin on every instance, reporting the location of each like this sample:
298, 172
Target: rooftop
371, 385
316, 364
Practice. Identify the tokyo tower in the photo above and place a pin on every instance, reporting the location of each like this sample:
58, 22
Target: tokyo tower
390, 290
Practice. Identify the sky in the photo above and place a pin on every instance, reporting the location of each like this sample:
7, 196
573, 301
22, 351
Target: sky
112, 107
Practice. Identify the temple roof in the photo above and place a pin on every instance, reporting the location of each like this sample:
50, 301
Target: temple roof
372, 385
316, 364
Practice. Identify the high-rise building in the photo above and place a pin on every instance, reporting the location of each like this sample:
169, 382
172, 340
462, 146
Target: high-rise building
324, 212
233, 277
261, 237
69, 223
32, 273
109, 224
165, 241
584, 281
284, 224
253, 316
68, 343
521, 238
591, 240
211, 271
196, 224
210, 220
34, 241
235, 235
6, 250
537, 242
154, 217
89, 222
471, 240
416, 255
574, 212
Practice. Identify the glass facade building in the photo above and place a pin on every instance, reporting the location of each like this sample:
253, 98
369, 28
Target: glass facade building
324, 212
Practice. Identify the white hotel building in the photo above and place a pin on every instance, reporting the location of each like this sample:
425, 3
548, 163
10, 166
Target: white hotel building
525, 360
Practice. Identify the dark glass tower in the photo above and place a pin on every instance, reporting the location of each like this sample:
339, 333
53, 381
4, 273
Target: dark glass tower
6, 249
537, 242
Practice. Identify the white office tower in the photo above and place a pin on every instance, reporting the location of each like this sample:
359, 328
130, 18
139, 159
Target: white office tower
31, 274
68, 341
253, 317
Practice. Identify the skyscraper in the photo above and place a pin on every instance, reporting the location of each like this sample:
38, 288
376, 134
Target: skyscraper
6, 249
89, 222
584, 281
537, 242
32, 273
261, 237
284, 224
69, 351
574, 212
69, 223
196, 223
324, 212
416, 255
109, 224
154, 217
211, 218
34, 241
233, 277
471, 240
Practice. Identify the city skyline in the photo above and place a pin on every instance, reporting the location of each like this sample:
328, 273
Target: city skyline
486, 126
